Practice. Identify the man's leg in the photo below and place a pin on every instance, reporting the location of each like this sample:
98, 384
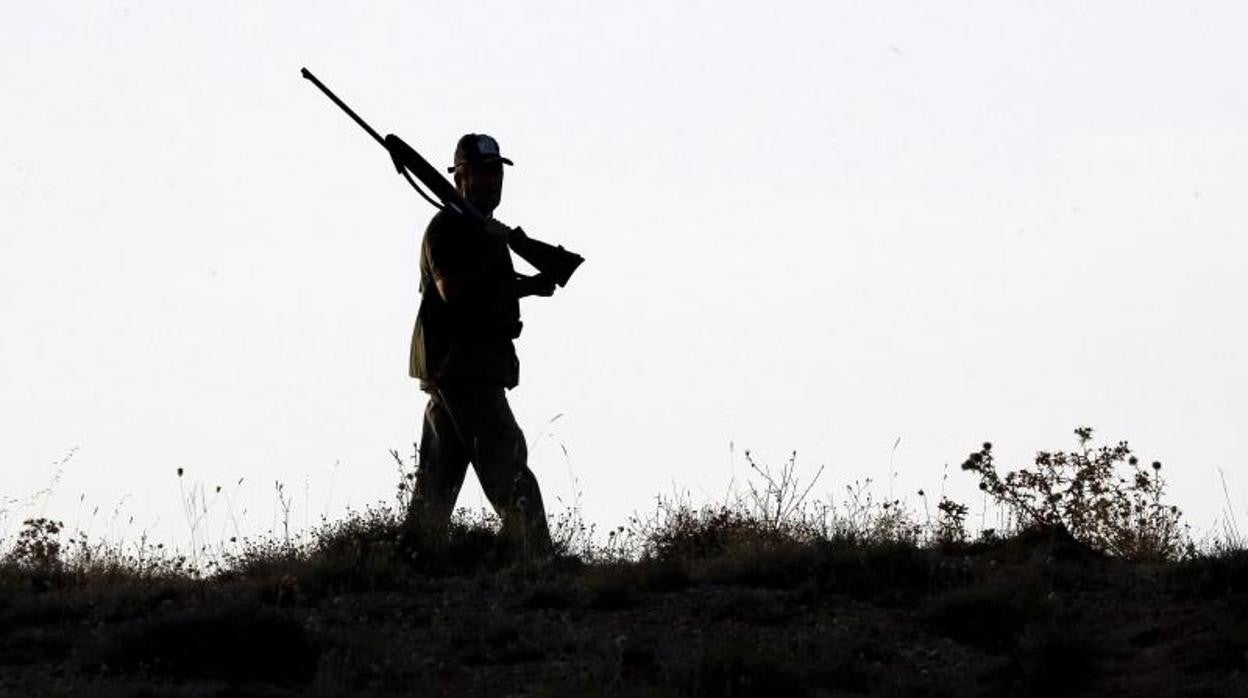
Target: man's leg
500, 456
439, 473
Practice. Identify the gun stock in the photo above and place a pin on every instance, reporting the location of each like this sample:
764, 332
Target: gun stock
552, 260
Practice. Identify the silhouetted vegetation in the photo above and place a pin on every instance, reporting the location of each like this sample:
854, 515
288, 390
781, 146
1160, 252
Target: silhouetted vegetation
768, 594
1090, 493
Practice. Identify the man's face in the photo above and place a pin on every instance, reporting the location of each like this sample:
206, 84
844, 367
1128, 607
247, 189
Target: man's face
481, 184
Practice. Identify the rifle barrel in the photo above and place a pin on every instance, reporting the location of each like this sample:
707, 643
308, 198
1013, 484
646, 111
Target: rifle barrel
341, 105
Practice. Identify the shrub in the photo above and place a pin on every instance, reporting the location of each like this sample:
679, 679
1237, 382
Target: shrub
38, 546
1103, 496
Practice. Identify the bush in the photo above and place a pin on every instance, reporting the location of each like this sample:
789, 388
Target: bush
38, 546
1115, 509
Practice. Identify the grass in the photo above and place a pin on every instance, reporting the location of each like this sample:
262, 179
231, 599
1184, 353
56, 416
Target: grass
766, 593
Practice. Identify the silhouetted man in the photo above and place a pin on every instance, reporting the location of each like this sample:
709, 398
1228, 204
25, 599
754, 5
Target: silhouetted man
464, 356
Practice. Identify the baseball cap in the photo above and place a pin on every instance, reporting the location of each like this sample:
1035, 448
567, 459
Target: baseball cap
477, 148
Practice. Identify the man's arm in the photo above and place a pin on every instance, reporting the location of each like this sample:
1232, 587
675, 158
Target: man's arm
451, 286
540, 284
455, 268
537, 285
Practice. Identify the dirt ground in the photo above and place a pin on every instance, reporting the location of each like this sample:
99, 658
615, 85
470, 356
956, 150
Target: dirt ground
1035, 622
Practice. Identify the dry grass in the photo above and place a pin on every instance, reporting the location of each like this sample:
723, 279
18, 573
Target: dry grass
767, 591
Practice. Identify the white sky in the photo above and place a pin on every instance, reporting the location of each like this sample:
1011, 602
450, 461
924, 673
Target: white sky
813, 226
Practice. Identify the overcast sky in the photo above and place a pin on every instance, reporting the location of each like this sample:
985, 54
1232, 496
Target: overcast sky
817, 226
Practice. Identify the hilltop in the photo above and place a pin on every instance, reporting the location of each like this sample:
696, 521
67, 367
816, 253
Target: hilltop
1095, 591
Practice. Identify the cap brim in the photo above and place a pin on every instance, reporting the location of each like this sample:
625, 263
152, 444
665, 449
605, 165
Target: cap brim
505, 161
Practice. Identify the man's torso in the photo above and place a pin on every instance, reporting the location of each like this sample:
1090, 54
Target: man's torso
469, 339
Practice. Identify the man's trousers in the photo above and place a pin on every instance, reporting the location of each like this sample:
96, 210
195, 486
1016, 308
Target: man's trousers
472, 422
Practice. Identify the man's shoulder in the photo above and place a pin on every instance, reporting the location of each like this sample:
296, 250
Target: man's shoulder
448, 240
446, 220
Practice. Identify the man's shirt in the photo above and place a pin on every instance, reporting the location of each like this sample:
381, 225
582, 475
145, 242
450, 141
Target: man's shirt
470, 337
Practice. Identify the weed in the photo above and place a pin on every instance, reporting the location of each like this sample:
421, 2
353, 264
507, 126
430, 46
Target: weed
951, 526
1089, 492
38, 546
780, 497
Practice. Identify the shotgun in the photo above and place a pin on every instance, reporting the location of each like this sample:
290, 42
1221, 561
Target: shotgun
552, 260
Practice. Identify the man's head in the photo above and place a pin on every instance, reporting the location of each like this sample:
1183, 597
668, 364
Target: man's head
478, 171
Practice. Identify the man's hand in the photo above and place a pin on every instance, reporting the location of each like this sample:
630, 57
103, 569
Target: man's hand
395, 146
538, 285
